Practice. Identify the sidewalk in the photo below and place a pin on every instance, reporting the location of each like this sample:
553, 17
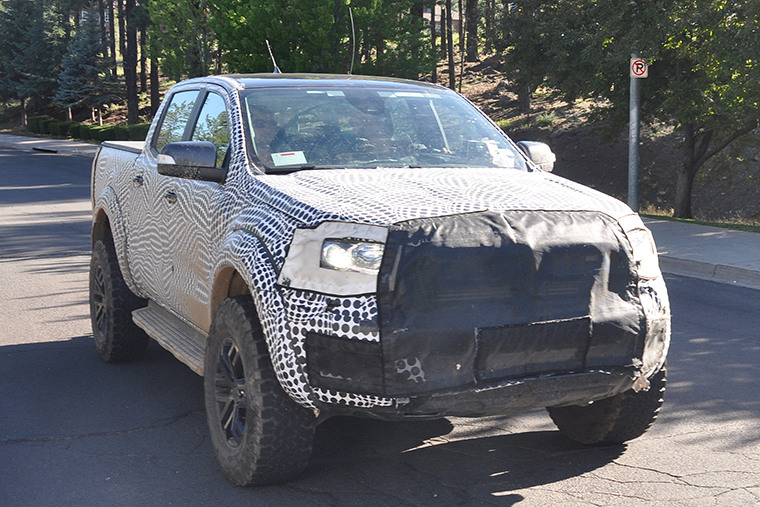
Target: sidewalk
709, 253
697, 251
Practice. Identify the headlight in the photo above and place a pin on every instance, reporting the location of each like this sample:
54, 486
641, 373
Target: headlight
338, 258
352, 255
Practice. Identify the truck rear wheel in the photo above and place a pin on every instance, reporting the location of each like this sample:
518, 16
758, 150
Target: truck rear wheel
614, 420
117, 337
259, 435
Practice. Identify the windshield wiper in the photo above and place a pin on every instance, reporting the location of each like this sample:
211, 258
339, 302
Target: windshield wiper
292, 169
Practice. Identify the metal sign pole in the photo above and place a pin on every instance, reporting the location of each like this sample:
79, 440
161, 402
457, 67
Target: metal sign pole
633, 146
638, 70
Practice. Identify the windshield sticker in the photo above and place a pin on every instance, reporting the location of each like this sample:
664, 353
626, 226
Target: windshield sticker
288, 158
500, 156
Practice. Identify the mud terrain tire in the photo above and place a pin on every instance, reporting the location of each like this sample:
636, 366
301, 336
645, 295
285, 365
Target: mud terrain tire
117, 337
614, 420
259, 435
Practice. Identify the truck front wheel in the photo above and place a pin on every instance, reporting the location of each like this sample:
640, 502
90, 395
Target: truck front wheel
259, 435
614, 420
117, 337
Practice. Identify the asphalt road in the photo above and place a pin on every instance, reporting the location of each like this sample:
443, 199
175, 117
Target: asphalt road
77, 431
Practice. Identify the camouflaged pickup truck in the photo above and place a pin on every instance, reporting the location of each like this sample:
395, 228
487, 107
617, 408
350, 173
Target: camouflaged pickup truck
330, 245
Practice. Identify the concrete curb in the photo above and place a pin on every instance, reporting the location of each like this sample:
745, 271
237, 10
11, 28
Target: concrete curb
719, 273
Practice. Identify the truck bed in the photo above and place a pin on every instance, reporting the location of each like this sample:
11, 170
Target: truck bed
131, 146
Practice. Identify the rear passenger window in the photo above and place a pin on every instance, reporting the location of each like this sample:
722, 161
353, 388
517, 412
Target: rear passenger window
212, 126
175, 120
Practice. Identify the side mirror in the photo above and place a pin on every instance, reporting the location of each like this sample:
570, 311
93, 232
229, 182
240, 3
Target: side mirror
193, 160
539, 153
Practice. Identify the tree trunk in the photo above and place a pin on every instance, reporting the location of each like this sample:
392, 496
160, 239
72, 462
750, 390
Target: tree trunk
433, 50
112, 36
122, 28
472, 19
444, 34
130, 64
523, 100
450, 47
155, 97
103, 34
461, 27
490, 16
684, 185
143, 60
685, 174
23, 113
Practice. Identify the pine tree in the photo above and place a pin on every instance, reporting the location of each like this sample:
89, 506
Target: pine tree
85, 80
20, 20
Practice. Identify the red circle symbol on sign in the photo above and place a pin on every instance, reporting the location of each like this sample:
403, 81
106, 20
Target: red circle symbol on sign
638, 67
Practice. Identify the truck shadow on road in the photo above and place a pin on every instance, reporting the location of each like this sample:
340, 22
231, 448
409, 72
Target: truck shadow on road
137, 421
427, 461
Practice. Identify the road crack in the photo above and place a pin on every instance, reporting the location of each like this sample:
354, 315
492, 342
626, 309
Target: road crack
69, 438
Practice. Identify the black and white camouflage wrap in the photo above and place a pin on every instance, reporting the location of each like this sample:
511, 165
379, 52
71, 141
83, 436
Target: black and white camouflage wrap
248, 223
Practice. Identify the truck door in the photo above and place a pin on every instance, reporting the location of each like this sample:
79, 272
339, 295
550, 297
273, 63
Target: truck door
151, 202
195, 224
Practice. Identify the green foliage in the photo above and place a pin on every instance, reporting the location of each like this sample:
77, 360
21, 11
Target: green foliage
704, 71
391, 41
139, 131
102, 133
33, 35
58, 128
44, 125
74, 130
85, 80
84, 131
315, 36
526, 42
33, 123
180, 37
121, 132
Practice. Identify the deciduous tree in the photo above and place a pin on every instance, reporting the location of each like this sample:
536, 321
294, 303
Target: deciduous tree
315, 36
181, 38
704, 75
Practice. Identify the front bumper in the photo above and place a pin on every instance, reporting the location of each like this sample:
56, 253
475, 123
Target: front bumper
500, 398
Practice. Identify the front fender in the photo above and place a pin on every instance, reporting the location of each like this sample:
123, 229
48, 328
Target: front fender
247, 255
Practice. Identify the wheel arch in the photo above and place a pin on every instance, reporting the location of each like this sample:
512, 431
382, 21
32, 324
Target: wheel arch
101, 226
227, 283
245, 266
108, 222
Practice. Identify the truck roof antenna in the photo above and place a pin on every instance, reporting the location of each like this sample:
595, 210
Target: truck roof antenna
276, 68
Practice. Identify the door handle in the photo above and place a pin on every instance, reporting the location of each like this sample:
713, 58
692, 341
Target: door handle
137, 179
170, 196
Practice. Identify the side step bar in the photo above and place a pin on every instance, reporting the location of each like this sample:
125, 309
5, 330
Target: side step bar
185, 342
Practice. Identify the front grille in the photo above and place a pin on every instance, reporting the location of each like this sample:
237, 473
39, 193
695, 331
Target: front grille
485, 296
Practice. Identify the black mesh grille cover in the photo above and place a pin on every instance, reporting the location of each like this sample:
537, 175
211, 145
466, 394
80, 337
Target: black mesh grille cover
473, 298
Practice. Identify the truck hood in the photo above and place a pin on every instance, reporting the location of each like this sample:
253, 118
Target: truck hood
390, 195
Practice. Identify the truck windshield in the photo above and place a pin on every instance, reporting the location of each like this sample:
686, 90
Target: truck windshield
351, 127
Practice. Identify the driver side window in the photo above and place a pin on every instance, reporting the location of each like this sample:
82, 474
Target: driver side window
212, 126
175, 120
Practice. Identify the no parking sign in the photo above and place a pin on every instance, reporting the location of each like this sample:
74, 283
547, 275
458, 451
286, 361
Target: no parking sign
639, 68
